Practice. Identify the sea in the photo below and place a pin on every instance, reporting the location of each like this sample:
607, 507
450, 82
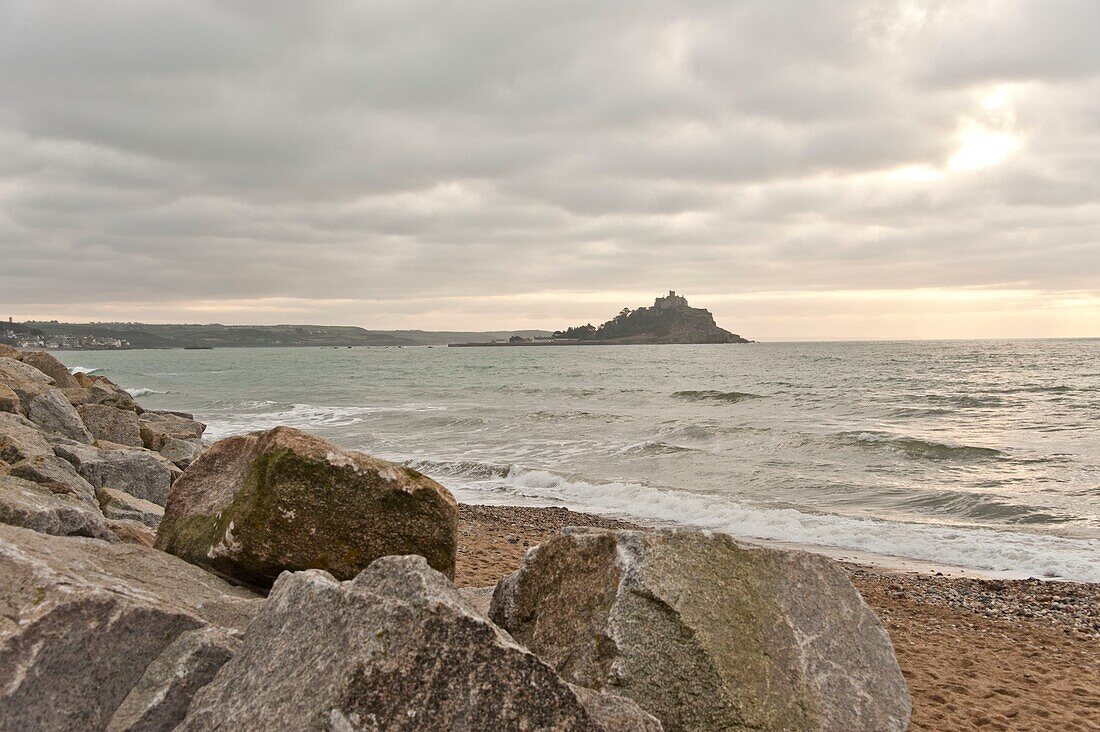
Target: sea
980, 455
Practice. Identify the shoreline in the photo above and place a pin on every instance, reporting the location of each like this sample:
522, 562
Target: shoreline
998, 654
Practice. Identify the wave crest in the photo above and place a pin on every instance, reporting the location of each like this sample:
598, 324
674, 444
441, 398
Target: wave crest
710, 395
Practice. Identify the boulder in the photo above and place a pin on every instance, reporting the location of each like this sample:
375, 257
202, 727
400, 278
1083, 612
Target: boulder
52, 412
84, 619
181, 452
255, 505
20, 438
33, 506
112, 424
78, 395
83, 380
9, 400
51, 367
706, 634
160, 698
132, 532
57, 475
122, 506
26, 381
397, 648
7, 351
105, 391
159, 427
137, 471
5, 467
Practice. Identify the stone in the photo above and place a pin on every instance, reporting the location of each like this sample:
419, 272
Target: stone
118, 505
57, 475
160, 698
181, 452
9, 400
137, 471
26, 381
105, 391
112, 424
614, 713
77, 395
33, 506
5, 467
706, 634
20, 438
7, 351
83, 380
397, 648
255, 505
83, 619
159, 427
132, 532
52, 412
51, 367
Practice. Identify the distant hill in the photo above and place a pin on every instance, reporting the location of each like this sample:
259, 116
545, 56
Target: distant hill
149, 335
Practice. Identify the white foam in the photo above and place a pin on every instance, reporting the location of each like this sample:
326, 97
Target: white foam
302, 416
83, 370
142, 391
974, 548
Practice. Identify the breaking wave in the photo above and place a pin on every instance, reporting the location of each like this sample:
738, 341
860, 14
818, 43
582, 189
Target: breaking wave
1020, 554
142, 391
84, 370
917, 448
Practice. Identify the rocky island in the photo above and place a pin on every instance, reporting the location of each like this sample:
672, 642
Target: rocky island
669, 320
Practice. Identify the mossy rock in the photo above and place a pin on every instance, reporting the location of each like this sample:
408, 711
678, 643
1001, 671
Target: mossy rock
254, 506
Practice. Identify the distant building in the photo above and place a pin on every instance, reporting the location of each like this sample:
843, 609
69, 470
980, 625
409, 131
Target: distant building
672, 301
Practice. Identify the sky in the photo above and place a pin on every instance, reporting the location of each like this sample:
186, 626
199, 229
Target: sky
841, 169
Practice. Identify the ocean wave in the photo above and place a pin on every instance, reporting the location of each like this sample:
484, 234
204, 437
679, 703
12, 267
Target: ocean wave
142, 391
1020, 554
709, 395
460, 468
302, 416
914, 447
652, 448
86, 370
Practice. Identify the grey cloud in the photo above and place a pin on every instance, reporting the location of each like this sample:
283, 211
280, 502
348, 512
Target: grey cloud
200, 151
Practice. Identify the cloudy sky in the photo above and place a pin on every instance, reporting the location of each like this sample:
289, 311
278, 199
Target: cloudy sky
803, 169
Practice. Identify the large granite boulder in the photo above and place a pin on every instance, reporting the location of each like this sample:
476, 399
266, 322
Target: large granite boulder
112, 424
159, 427
123, 507
7, 351
160, 698
34, 506
137, 471
52, 412
706, 634
129, 531
83, 620
51, 367
397, 648
57, 475
9, 400
181, 452
104, 391
26, 381
255, 505
20, 438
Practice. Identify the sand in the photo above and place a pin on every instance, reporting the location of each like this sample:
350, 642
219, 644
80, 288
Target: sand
977, 654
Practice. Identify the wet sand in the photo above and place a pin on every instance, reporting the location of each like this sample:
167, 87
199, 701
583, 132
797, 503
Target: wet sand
977, 654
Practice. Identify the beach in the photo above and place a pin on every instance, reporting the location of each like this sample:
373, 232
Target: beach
976, 654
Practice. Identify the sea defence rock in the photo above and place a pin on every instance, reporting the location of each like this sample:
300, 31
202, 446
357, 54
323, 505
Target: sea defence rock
706, 634
397, 648
83, 619
159, 427
57, 475
104, 391
33, 506
129, 531
181, 452
7, 351
110, 423
9, 400
137, 471
20, 438
160, 698
255, 505
26, 381
51, 367
124, 507
52, 412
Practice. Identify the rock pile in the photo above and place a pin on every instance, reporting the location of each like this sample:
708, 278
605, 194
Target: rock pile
600, 630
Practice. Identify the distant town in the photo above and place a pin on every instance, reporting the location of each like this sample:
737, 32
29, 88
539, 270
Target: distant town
21, 335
